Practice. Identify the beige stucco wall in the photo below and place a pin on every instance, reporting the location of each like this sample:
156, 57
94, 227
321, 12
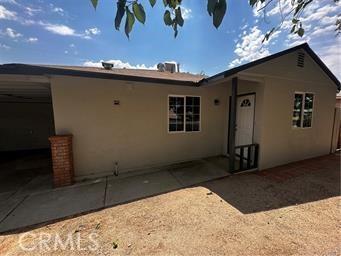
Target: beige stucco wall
25, 126
280, 142
135, 133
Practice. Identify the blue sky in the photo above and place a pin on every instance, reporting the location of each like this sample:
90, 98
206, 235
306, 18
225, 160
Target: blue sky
73, 33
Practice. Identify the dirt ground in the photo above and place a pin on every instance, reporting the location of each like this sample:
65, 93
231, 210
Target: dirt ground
246, 214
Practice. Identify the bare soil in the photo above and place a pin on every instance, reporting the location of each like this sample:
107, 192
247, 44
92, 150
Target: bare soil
239, 215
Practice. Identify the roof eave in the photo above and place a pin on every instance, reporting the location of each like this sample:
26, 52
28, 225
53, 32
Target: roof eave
305, 46
23, 69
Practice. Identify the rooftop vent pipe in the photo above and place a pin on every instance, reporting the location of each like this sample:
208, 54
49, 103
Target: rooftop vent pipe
107, 66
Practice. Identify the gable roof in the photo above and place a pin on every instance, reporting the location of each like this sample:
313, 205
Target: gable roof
154, 76
304, 46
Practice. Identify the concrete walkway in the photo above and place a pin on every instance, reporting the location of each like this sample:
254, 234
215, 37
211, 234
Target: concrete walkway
25, 209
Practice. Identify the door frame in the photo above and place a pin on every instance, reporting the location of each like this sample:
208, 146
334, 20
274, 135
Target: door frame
254, 118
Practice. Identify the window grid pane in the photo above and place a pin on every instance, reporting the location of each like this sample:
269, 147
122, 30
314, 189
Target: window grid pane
308, 110
176, 114
297, 113
192, 114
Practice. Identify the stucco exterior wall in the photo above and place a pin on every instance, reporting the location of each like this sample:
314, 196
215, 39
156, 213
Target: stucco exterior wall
281, 143
134, 133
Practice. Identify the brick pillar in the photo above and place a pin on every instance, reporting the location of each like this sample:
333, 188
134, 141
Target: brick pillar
62, 160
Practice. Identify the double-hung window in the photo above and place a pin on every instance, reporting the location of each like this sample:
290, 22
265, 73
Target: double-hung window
183, 113
303, 110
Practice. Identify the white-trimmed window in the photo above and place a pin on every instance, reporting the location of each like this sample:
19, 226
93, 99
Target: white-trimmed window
303, 110
183, 113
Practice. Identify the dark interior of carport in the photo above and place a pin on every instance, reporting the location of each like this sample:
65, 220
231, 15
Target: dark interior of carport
26, 122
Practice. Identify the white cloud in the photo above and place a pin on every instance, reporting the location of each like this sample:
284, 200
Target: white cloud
251, 46
331, 56
186, 13
92, 31
9, 2
282, 7
118, 64
59, 29
320, 13
319, 23
32, 11
58, 10
4, 46
32, 40
7, 14
62, 30
244, 27
10, 33
319, 31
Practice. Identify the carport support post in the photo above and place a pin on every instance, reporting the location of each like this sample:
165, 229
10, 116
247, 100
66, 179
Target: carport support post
232, 127
62, 160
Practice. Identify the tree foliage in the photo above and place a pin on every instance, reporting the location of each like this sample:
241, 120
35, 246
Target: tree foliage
172, 17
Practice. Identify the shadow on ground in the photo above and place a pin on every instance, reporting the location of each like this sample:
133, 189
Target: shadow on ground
298, 183
294, 184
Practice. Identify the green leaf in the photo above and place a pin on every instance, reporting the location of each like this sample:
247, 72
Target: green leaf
152, 2
211, 6
139, 12
253, 2
295, 21
175, 27
178, 17
167, 18
293, 29
172, 3
267, 35
219, 13
130, 20
119, 13
94, 3
300, 32
165, 2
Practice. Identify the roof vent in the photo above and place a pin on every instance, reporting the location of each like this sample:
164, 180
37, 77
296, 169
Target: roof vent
170, 67
300, 59
161, 67
107, 66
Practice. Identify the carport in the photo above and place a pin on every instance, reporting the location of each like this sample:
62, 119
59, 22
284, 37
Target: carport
26, 122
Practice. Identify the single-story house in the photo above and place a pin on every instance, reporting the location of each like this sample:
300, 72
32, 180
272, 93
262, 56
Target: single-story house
266, 113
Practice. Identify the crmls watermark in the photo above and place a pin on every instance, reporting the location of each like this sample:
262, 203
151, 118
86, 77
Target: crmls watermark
54, 242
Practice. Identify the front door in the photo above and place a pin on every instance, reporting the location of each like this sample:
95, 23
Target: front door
245, 119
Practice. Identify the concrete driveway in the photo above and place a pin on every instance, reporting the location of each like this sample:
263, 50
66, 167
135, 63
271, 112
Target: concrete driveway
289, 210
28, 206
